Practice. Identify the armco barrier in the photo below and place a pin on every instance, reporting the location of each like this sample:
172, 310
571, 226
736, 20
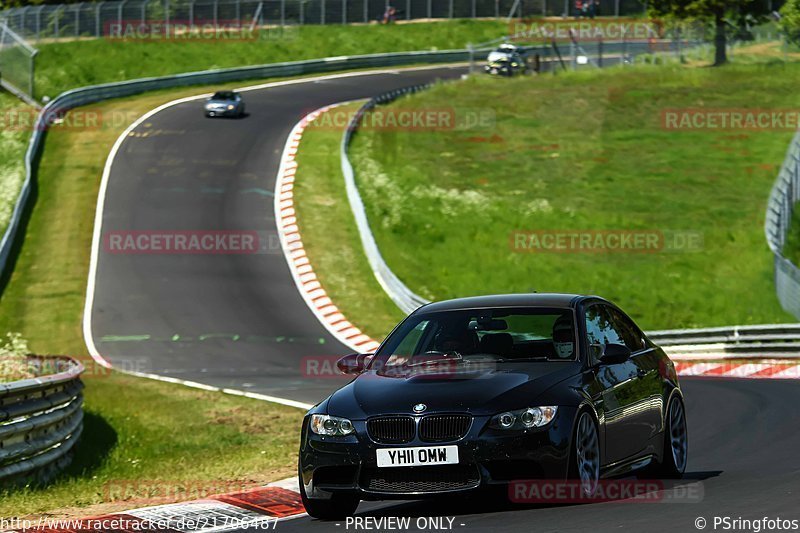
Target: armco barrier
775, 341
780, 208
40, 420
96, 93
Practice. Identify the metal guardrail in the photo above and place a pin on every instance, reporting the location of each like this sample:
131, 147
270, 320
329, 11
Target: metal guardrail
732, 342
780, 209
41, 419
400, 294
96, 93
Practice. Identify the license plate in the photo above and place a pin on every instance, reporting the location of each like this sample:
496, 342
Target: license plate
428, 455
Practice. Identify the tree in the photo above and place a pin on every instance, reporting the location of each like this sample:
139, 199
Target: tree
721, 15
790, 20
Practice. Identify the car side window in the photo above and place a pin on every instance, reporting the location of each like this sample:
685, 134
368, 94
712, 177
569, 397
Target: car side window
628, 331
599, 331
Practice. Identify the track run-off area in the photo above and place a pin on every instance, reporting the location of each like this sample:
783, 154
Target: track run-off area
238, 321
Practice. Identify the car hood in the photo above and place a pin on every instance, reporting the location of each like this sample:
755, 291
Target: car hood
220, 102
488, 389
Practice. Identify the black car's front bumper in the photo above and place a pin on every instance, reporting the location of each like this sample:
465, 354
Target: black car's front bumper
487, 457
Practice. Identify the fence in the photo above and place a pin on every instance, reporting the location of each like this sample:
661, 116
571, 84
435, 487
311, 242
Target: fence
40, 421
16, 64
780, 210
94, 19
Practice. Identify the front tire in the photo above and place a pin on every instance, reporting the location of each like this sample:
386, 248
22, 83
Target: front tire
338, 507
585, 456
676, 442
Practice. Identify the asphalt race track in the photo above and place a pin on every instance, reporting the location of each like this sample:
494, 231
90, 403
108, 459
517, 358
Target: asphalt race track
744, 437
238, 321
227, 320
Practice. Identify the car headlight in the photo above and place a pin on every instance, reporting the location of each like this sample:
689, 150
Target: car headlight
230, 107
331, 426
532, 417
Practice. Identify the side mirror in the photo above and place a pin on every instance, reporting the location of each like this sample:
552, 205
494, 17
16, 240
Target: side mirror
354, 363
614, 354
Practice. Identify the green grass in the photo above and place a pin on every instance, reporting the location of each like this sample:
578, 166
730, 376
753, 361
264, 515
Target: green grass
145, 439
135, 428
14, 132
334, 249
65, 65
586, 151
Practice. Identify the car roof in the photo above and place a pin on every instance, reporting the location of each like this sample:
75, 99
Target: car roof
505, 300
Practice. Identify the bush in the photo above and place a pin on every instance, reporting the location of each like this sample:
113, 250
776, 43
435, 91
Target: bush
790, 20
13, 359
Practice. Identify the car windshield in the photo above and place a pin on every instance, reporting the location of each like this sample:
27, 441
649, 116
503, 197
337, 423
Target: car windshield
480, 335
224, 95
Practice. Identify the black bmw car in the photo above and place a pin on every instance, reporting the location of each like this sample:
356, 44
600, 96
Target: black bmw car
479, 392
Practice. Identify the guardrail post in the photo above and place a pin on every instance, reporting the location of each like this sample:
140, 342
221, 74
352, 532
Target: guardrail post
38, 21
302, 11
23, 27
366, 11
144, 12
430, 9
408, 9
474, 9
119, 12
216, 13
322, 12
450, 10
283, 12
97, 30
191, 14
78, 19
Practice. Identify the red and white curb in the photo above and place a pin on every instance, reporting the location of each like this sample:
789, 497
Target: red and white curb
292, 243
762, 369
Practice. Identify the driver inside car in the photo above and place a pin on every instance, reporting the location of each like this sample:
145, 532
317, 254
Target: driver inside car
563, 338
